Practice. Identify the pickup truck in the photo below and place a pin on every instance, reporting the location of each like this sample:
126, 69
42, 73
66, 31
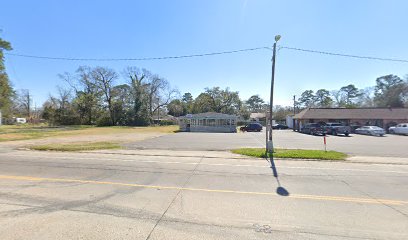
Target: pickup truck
399, 129
337, 128
313, 129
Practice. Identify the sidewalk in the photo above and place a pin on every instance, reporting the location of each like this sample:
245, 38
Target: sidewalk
229, 155
175, 153
378, 160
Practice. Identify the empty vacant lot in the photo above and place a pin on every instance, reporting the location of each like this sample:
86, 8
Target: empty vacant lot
28, 135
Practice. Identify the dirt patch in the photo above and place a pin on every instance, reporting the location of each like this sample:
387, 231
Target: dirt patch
118, 135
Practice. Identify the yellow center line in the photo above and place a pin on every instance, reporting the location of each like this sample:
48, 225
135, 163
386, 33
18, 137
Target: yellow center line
295, 196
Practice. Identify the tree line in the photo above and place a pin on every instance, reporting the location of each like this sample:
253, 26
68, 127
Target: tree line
389, 91
6, 91
95, 96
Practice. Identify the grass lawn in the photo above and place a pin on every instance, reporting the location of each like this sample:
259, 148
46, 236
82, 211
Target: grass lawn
73, 147
28, 131
292, 153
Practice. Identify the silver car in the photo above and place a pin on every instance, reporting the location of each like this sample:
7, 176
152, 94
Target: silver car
399, 129
371, 130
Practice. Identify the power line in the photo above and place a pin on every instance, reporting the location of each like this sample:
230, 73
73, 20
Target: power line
207, 54
345, 55
136, 59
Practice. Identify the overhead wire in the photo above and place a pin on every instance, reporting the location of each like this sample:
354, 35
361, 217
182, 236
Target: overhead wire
136, 59
209, 54
345, 55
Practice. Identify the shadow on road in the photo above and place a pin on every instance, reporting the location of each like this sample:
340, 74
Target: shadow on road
279, 190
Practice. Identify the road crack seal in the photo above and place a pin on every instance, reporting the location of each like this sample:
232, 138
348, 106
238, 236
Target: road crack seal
175, 197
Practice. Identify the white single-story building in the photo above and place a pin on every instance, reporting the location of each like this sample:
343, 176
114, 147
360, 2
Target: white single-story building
257, 117
208, 122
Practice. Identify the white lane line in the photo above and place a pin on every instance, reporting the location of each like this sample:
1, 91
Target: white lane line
219, 164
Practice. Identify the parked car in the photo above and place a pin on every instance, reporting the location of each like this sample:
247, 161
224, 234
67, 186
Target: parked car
252, 127
313, 129
337, 128
371, 130
353, 127
279, 126
399, 129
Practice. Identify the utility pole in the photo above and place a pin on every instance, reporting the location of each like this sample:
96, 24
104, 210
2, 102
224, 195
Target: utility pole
158, 112
158, 116
294, 112
28, 104
270, 142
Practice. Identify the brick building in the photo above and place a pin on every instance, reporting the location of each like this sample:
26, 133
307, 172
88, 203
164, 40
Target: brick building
382, 117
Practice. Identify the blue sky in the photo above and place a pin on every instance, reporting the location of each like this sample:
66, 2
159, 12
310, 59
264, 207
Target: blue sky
131, 29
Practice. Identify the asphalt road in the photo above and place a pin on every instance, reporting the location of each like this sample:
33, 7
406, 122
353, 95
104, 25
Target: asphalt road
360, 145
113, 196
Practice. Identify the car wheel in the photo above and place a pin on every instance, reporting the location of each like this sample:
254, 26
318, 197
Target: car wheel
392, 131
346, 134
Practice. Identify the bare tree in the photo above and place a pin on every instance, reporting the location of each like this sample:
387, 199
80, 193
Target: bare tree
86, 92
139, 94
104, 79
25, 100
166, 96
64, 97
59, 110
338, 97
159, 93
366, 97
155, 84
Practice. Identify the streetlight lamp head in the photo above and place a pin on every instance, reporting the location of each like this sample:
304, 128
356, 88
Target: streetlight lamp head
277, 37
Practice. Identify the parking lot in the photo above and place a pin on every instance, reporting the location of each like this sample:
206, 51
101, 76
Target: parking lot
359, 145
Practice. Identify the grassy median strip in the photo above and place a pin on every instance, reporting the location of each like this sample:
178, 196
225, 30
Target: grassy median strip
292, 153
74, 147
